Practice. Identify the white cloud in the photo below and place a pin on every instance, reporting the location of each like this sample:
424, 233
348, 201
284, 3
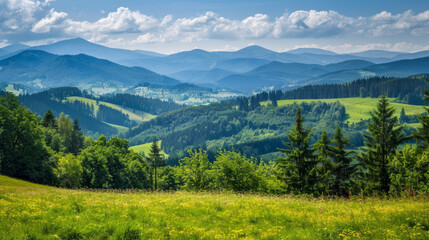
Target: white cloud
17, 15
133, 27
52, 19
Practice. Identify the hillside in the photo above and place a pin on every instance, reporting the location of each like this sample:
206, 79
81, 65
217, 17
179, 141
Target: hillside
34, 211
145, 148
44, 70
134, 115
358, 109
107, 117
401, 68
286, 75
408, 90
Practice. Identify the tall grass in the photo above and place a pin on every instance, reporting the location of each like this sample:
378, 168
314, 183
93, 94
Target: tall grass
30, 211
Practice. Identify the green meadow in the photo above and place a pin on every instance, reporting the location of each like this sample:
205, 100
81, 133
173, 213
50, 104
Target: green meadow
146, 148
135, 115
358, 108
31, 211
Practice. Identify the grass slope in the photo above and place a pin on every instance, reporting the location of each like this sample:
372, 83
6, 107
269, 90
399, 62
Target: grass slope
146, 148
136, 115
29, 211
359, 108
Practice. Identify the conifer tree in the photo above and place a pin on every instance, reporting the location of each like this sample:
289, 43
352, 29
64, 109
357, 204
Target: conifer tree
49, 120
324, 149
423, 131
76, 138
156, 160
298, 169
343, 168
380, 144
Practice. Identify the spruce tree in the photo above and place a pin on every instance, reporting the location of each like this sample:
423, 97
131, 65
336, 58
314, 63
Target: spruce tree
77, 138
298, 169
343, 168
423, 131
380, 144
324, 149
49, 120
156, 160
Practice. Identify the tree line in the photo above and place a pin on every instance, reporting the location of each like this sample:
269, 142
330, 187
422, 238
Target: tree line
409, 90
55, 151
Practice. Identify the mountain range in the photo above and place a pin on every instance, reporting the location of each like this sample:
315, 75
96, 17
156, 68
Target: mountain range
77, 62
42, 70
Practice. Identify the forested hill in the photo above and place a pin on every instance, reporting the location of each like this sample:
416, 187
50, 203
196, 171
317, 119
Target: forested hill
410, 90
221, 125
93, 116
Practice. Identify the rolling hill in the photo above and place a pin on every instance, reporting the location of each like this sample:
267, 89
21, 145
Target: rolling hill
401, 68
44, 70
358, 109
77, 46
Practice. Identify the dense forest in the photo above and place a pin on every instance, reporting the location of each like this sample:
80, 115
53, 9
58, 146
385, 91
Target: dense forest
55, 99
409, 90
55, 151
152, 106
246, 126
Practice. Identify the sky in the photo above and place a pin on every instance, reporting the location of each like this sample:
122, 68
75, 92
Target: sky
169, 26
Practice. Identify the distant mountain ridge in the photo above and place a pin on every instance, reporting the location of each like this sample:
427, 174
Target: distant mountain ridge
44, 70
286, 75
223, 69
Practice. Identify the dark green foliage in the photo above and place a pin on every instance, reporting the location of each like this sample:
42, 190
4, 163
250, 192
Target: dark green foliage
298, 170
22, 149
49, 120
77, 138
409, 172
110, 115
380, 144
343, 168
156, 160
109, 164
220, 125
195, 170
409, 90
423, 131
232, 171
51, 99
325, 166
149, 105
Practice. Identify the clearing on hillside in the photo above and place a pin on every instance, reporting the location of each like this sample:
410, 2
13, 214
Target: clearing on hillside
358, 108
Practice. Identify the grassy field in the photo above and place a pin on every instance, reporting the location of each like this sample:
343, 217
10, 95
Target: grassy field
30, 211
146, 148
135, 115
358, 108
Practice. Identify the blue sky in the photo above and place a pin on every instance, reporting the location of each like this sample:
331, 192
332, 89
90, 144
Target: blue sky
171, 25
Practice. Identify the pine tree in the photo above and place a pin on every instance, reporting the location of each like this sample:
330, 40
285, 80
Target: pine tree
156, 160
380, 144
77, 138
324, 149
343, 168
403, 117
423, 131
49, 120
298, 169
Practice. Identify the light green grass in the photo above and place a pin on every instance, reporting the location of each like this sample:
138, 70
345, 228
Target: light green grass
121, 129
135, 115
51, 213
358, 108
146, 148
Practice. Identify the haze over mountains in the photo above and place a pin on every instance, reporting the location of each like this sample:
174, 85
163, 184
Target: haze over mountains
77, 62
41, 69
